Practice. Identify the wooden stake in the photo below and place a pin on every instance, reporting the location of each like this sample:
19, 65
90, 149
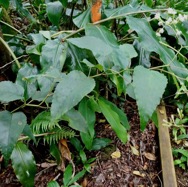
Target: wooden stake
168, 171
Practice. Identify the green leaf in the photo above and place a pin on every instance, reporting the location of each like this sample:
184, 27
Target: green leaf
76, 120
149, 87
22, 10
121, 10
10, 91
67, 175
89, 115
29, 86
76, 143
99, 52
53, 54
4, 3
28, 132
83, 156
99, 143
77, 176
82, 19
182, 136
54, 151
23, 164
53, 184
182, 151
64, 2
106, 55
120, 113
11, 126
101, 32
54, 12
69, 92
150, 42
119, 82
149, 2
113, 119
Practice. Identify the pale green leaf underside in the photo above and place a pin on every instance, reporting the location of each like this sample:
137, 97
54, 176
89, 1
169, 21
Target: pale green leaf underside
149, 87
11, 126
69, 92
10, 91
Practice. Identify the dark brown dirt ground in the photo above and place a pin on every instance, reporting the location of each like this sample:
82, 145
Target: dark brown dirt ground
132, 168
138, 164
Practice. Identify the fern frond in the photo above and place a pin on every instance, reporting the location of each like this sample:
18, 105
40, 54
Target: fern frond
56, 134
43, 123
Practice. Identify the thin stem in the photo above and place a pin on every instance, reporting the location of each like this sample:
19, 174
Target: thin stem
7, 64
11, 52
113, 17
177, 51
61, 32
11, 35
162, 66
18, 108
36, 135
33, 105
10, 26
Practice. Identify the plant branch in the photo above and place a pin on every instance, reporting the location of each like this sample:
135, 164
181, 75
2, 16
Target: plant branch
113, 17
10, 26
11, 52
177, 51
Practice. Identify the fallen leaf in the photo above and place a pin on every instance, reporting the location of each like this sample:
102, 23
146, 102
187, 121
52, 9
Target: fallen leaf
149, 156
100, 179
185, 143
116, 154
145, 167
84, 182
1, 159
134, 151
65, 153
47, 165
64, 150
139, 174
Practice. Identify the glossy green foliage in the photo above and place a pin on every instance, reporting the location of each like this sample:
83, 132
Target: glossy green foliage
54, 11
23, 164
90, 118
114, 119
11, 126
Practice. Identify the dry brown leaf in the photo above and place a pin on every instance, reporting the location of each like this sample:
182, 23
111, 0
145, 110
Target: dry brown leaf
185, 143
116, 154
84, 182
134, 151
65, 153
47, 165
139, 174
149, 156
64, 150
1, 159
